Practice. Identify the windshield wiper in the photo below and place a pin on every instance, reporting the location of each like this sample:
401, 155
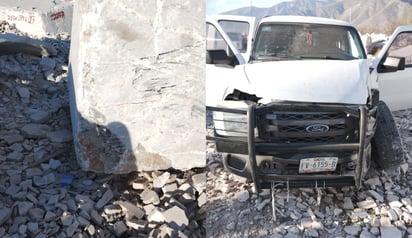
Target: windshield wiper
274, 56
328, 57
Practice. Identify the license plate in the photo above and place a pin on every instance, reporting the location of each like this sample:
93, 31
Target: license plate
320, 164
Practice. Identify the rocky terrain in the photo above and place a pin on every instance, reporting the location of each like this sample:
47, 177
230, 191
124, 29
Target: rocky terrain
381, 208
43, 192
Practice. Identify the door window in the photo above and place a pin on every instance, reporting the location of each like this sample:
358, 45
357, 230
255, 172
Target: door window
402, 47
238, 32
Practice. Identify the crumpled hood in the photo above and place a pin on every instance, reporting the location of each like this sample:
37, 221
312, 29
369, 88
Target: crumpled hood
324, 81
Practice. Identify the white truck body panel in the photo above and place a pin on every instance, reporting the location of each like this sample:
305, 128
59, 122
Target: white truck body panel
310, 81
337, 82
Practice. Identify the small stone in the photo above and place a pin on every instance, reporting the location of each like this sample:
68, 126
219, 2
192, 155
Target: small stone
138, 186
136, 224
87, 182
161, 180
71, 204
404, 167
347, 203
91, 229
374, 181
66, 219
375, 231
376, 195
242, 196
155, 216
392, 215
317, 225
5, 214
352, 230
119, 228
110, 209
406, 201
366, 234
23, 92
37, 214
385, 222
72, 228
107, 196
82, 222
47, 64
49, 216
367, 204
31, 172
13, 138
361, 214
53, 199
22, 229
306, 222
149, 196
24, 207
44, 180
260, 205
337, 211
131, 210
40, 116
33, 227
202, 199
312, 233
176, 218
395, 204
35, 131
61, 136
199, 182
15, 156
391, 198
390, 232
169, 188
96, 217
54, 164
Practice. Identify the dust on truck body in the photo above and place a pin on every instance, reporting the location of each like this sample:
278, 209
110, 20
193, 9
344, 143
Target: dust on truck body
303, 110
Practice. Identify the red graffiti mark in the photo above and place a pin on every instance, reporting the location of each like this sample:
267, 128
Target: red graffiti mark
28, 19
57, 15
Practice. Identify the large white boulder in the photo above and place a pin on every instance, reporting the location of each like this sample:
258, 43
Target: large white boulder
137, 85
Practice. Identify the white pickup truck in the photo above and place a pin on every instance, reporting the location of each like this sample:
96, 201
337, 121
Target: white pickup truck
300, 105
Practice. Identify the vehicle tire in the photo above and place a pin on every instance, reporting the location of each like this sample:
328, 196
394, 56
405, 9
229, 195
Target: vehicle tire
386, 144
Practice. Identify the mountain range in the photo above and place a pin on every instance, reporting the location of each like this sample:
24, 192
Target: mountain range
377, 15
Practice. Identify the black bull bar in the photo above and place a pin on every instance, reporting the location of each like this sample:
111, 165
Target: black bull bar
262, 180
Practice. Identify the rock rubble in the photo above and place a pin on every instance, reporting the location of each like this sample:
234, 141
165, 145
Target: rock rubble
43, 191
381, 208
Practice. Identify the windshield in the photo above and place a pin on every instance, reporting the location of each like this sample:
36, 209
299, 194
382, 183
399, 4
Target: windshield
298, 41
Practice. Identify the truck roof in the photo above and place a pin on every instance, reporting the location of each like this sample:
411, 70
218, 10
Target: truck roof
305, 19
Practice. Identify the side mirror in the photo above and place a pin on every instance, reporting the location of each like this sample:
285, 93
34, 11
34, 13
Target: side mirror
392, 64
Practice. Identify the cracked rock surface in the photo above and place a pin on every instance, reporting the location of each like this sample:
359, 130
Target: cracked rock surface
381, 208
43, 191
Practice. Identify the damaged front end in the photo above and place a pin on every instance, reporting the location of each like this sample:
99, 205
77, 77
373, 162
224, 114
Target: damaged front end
293, 144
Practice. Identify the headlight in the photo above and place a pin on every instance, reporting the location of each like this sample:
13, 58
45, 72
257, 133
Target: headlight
231, 124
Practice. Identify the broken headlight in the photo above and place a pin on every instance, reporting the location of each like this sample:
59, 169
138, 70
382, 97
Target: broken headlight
228, 123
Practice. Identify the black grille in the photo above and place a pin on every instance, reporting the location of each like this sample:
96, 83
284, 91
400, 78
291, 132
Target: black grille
306, 126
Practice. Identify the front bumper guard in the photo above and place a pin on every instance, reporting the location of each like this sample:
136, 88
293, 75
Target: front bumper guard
263, 180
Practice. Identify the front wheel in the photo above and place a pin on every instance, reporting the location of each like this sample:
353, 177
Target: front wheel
387, 149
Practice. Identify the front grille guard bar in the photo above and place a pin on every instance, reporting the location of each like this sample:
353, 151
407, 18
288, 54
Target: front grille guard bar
318, 181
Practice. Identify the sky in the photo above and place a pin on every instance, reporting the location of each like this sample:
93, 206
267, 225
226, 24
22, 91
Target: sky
219, 6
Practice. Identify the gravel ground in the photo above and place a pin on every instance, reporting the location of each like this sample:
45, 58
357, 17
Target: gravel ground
43, 192
381, 208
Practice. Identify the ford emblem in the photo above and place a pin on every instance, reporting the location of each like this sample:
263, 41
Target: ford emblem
317, 128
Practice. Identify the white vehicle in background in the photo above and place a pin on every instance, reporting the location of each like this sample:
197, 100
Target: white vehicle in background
304, 108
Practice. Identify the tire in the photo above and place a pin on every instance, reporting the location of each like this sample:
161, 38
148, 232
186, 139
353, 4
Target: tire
387, 149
